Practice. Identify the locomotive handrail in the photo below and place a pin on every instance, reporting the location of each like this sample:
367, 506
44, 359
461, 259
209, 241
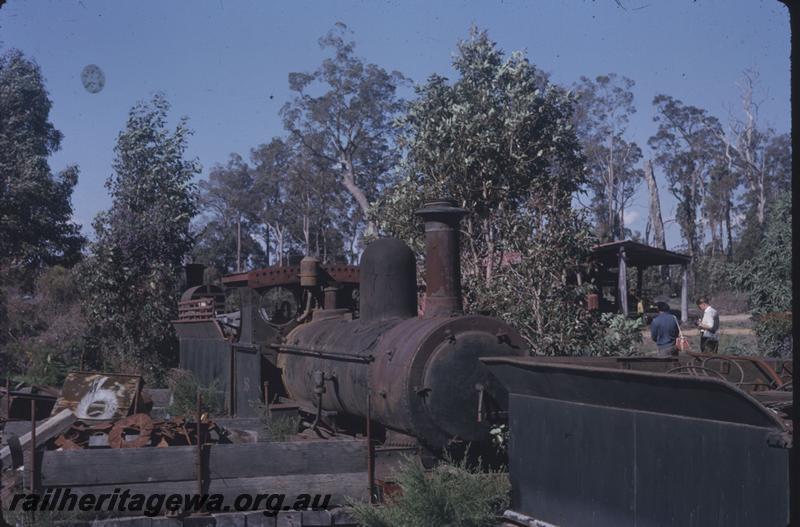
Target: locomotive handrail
299, 350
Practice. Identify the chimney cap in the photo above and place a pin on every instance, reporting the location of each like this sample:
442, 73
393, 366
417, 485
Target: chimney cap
440, 207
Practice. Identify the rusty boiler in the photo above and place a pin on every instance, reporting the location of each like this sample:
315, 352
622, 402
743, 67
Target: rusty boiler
422, 374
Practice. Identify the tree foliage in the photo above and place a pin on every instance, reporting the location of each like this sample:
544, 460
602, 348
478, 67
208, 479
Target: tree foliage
44, 329
36, 227
342, 114
499, 141
767, 278
604, 107
130, 282
228, 239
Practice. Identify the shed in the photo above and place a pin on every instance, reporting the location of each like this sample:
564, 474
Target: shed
628, 253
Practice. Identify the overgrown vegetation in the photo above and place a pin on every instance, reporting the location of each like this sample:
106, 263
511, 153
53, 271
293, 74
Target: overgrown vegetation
452, 493
498, 140
275, 428
184, 388
129, 283
45, 329
619, 335
767, 278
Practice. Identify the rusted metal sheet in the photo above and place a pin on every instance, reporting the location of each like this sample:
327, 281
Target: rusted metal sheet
751, 374
140, 426
206, 357
598, 446
92, 395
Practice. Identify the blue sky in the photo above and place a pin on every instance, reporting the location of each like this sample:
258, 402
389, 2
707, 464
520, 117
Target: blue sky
224, 64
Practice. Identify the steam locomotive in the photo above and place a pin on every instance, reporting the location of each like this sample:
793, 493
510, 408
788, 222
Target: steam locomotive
347, 343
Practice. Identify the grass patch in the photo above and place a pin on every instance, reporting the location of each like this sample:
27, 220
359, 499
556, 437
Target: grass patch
452, 493
729, 344
274, 428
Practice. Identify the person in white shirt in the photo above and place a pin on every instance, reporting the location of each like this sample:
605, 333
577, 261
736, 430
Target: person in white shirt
709, 327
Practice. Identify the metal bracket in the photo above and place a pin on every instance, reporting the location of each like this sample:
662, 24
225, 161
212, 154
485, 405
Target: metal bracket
779, 440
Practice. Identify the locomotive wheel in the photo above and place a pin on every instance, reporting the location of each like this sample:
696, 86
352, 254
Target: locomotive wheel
137, 423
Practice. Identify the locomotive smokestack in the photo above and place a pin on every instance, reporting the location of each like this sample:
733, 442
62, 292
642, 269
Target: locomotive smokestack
442, 258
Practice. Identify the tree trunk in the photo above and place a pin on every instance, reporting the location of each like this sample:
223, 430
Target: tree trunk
656, 220
487, 233
239, 243
267, 247
349, 182
611, 192
306, 235
712, 227
762, 200
728, 228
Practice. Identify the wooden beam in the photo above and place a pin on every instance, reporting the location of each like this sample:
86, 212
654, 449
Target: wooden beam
639, 280
622, 282
45, 431
141, 465
685, 294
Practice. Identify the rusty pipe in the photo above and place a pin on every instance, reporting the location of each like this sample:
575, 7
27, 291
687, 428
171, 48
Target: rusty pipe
199, 445
442, 258
33, 447
370, 451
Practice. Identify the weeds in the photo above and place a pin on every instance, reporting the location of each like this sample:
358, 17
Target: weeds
275, 429
452, 493
184, 388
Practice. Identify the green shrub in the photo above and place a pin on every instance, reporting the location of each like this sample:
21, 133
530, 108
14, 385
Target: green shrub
619, 335
767, 279
774, 332
275, 429
184, 388
449, 494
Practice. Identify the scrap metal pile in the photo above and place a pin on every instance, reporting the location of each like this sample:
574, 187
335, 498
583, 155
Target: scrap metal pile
137, 431
107, 411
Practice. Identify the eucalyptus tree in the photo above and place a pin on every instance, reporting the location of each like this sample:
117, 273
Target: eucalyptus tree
36, 226
342, 114
228, 202
130, 281
498, 140
688, 148
604, 107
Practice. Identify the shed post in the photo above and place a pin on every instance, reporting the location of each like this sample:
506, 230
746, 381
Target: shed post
622, 284
639, 279
685, 294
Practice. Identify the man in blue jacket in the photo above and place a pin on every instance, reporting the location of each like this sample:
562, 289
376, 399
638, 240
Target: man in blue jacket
664, 331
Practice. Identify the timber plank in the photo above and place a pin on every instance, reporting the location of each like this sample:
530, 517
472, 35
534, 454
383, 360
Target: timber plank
248, 460
292, 457
45, 431
117, 465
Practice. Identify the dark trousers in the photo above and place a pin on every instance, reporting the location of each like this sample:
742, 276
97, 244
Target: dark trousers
667, 351
708, 345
